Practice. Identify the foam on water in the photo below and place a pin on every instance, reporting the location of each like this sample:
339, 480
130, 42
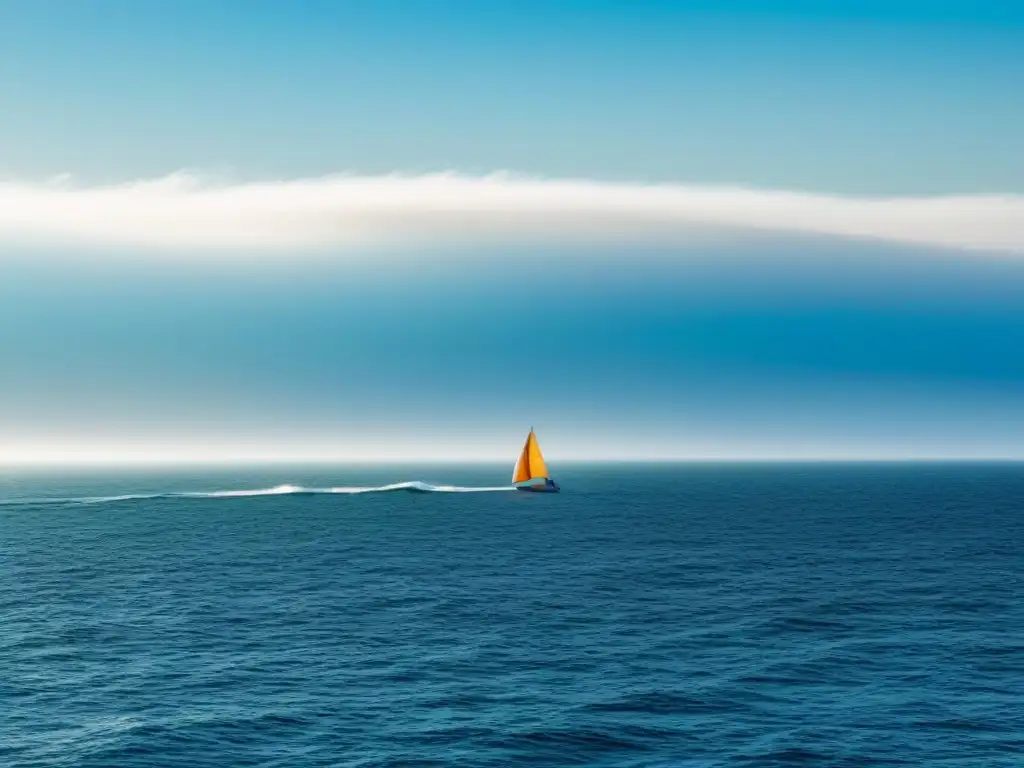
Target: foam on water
410, 486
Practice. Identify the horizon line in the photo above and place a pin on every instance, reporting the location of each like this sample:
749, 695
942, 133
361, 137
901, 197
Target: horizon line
282, 461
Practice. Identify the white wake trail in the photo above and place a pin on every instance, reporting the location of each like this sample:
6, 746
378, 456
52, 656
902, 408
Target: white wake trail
411, 486
415, 486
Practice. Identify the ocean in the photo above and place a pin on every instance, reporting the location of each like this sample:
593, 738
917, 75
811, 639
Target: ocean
648, 616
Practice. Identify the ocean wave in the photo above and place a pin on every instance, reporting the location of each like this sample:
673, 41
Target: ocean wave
411, 486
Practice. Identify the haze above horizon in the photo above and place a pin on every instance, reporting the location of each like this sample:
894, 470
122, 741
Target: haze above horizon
329, 232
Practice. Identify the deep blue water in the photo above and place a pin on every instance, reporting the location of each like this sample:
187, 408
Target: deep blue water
692, 615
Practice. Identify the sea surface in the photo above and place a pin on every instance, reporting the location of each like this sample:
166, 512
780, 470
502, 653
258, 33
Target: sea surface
660, 615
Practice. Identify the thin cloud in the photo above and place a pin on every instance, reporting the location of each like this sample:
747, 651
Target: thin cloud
183, 211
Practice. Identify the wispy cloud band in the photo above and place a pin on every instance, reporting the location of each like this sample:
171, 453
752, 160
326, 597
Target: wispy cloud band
183, 211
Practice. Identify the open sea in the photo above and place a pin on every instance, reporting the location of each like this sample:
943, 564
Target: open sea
647, 616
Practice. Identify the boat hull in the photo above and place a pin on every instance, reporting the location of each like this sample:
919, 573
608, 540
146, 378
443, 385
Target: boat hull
549, 487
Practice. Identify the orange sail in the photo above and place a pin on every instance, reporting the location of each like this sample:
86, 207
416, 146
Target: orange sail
531, 464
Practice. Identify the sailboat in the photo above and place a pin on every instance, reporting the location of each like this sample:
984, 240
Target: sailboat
531, 473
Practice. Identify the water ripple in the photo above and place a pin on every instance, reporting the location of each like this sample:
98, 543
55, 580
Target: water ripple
644, 618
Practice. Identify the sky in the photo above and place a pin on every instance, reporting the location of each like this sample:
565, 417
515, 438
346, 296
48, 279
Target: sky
382, 231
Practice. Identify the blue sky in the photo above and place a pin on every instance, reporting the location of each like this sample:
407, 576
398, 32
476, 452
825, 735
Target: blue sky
840, 97
166, 323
